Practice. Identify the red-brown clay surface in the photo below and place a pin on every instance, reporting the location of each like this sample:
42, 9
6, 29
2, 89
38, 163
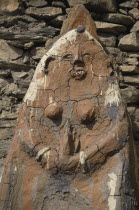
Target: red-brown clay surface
70, 149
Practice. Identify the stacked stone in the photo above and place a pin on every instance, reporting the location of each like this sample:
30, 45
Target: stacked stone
25, 28
28, 27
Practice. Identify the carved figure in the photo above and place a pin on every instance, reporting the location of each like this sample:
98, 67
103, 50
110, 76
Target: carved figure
72, 142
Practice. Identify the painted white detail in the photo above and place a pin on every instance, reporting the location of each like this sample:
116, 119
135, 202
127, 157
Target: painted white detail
15, 168
42, 80
42, 152
112, 95
112, 188
47, 156
54, 51
1, 174
68, 37
82, 157
32, 90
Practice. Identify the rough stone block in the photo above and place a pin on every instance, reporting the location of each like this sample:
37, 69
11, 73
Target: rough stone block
8, 53
9, 6
129, 42
45, 12
134, 80
129, 4
37, 3
105, 27
108, 40
135, 27
129, 69
99, 5
118, 18
130, 94
131, 61
37, 53
134, 13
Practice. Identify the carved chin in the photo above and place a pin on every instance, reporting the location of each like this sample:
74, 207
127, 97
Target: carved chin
78, 74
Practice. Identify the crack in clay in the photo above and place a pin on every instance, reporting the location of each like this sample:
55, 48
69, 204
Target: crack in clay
74, 131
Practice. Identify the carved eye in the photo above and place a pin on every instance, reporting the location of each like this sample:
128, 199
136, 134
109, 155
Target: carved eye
68, 57
87, 57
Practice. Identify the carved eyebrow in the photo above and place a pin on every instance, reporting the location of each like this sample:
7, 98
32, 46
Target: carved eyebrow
86, 54
67, 56
49, 59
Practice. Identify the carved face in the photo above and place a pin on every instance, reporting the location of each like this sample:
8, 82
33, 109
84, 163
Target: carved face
75, 68
80, 59
76, 59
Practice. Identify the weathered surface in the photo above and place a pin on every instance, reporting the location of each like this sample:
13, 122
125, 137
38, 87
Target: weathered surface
134, 13
31, 34
108, 40
73, 146
46, 12
38, 3
118, 18
134, 112
129, 69
105, 27
8, 53
129, 42
79, 16
129, 4
99, 5
38, 35
135, 27
131, 95
9, 6
134, 80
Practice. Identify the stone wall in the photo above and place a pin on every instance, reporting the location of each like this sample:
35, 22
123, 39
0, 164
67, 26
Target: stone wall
28, 27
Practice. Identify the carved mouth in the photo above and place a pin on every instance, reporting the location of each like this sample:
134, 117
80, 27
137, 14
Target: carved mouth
78, 74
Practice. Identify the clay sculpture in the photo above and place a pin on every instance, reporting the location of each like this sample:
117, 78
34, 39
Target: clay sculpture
73, 146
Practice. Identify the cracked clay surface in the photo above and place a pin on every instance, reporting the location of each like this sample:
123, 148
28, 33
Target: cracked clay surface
72, 134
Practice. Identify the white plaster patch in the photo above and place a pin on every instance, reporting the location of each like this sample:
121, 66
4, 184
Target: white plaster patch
112, 188
42, 152
32, 90
15, 169
68, 37
112, 96
82, 157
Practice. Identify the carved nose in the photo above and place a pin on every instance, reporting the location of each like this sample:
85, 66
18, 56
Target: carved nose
79, 63
78, 60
